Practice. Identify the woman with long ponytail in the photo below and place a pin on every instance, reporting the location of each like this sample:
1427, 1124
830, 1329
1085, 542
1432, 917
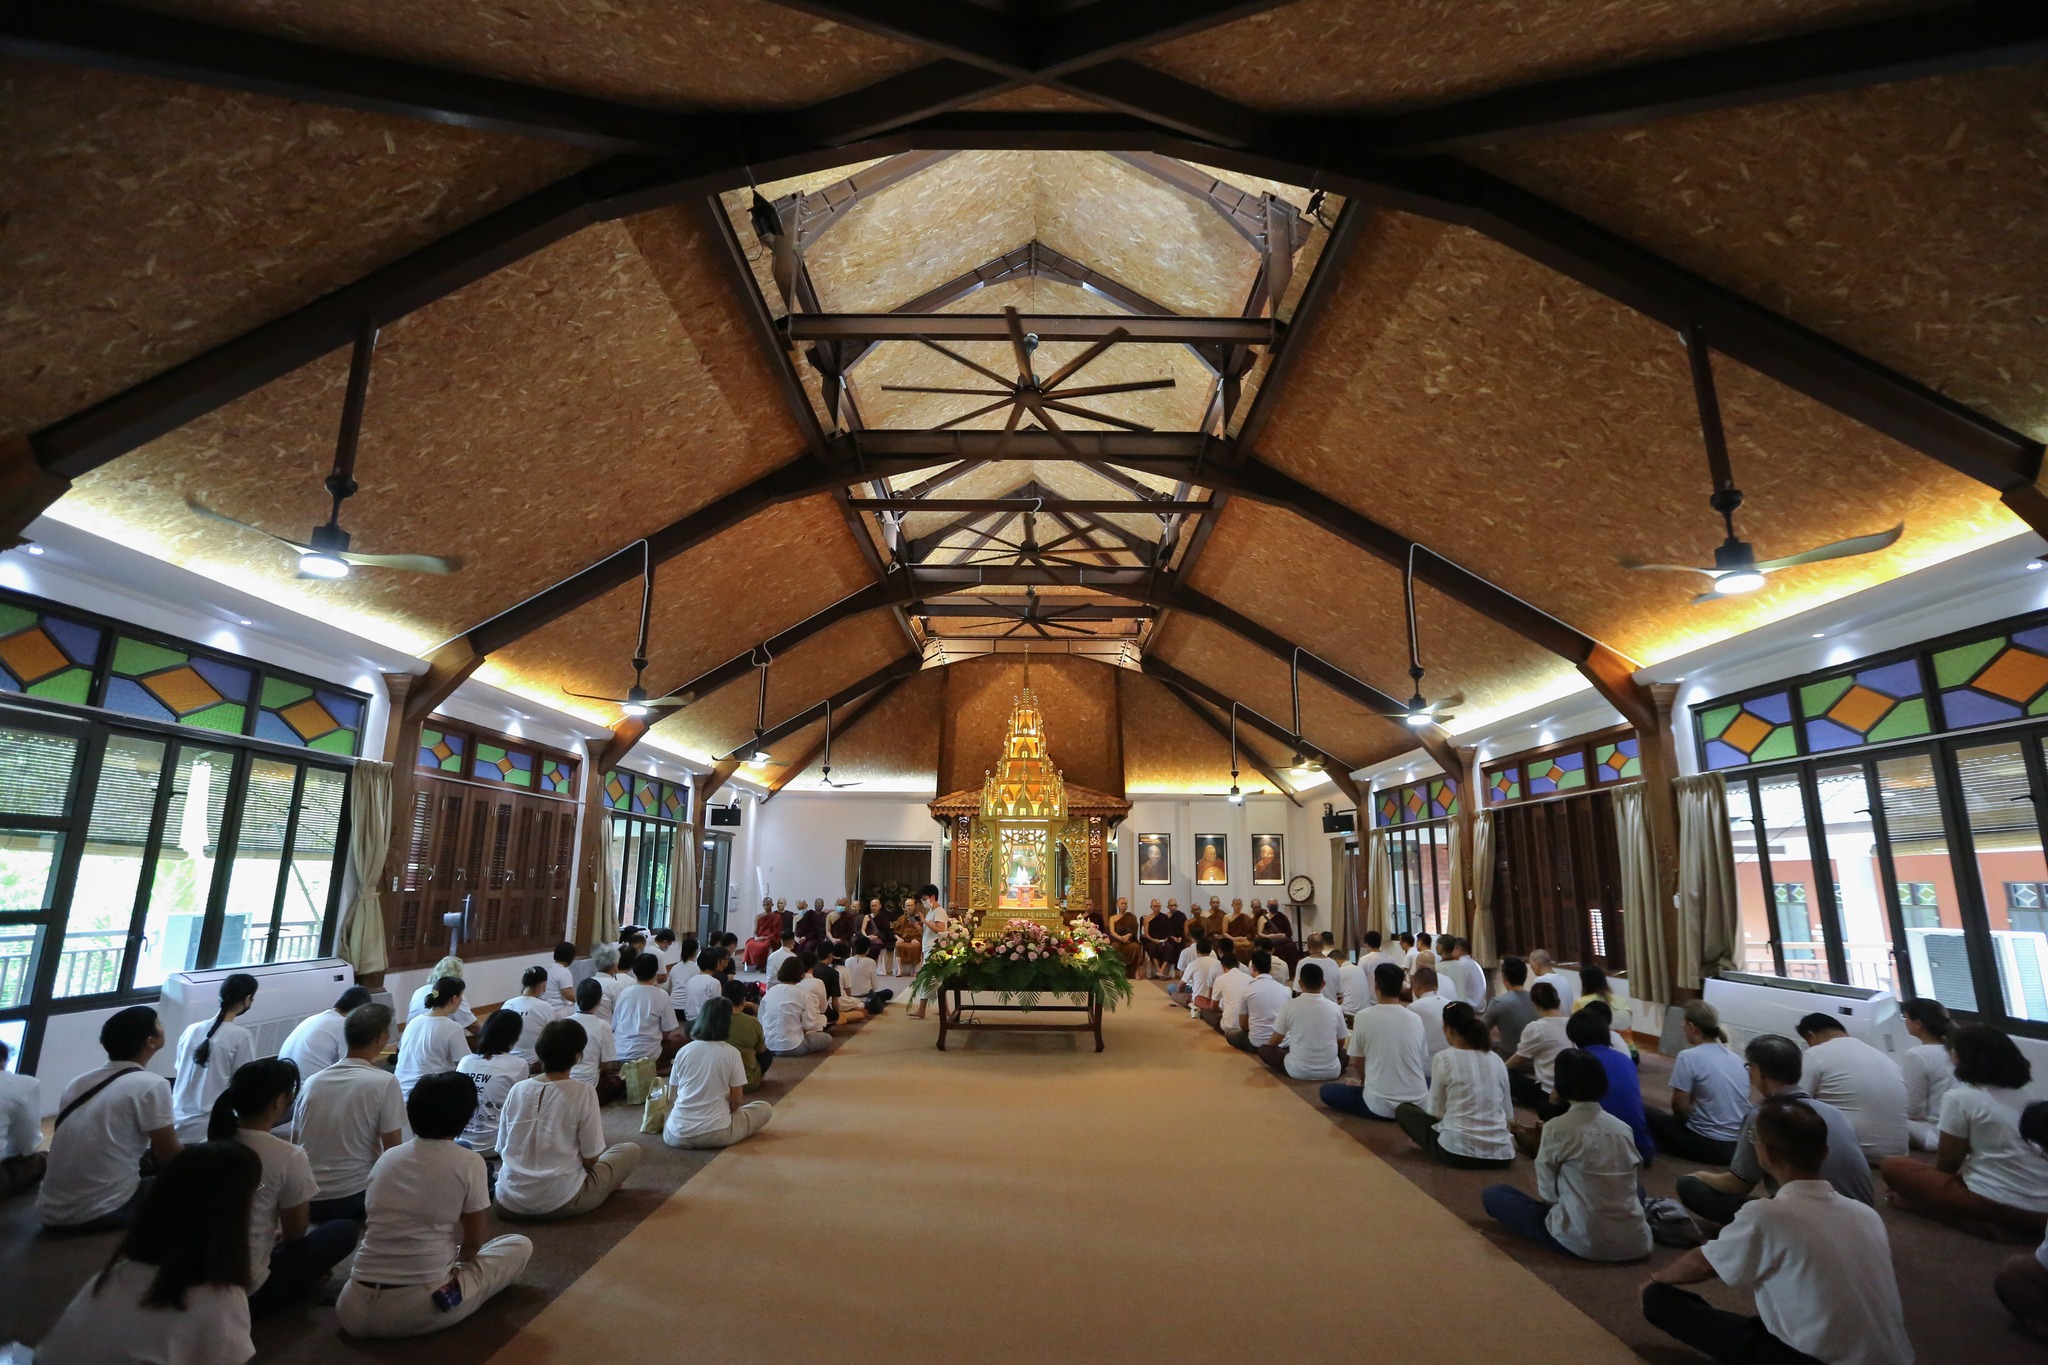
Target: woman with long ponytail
1465, 1123
209, 1052
434, 1042
288, 1257
1929, 1069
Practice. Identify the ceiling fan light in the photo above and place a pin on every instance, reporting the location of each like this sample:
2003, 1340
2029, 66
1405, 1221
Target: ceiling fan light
1236, 796
1738, 581
317, 564
633, 708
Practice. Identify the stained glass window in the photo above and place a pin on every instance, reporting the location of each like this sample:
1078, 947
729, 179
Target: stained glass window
1443, 797
1753, 731
47, 656
1557, 773
2002, 678
646, 795
557, 777
1866, 707
617, 794
158, 682
673, 801
495, 763
442, 751
1386, 806
311, 717
1434, 798
1619, 761
1504, 786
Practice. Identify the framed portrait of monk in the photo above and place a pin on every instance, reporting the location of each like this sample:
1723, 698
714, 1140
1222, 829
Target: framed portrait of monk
1155, 860
1269, 860
1212, 860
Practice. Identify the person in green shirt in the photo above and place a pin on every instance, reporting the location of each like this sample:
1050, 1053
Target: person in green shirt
746, 1035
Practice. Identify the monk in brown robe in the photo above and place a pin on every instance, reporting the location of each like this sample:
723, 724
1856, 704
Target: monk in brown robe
1209, 921
1123, 932
1241, 927
1153, 931
1276, 932
839, 923
767, 932
810, 929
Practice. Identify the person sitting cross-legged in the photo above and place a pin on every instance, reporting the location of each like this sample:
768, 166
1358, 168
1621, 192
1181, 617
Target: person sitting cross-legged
107, 1121
350, 1115
1819, 1264
1389, 1064
644, 1022
2022, 1286
1985, 1176
1308, 1038
556, 1163
1263, 1001
1529, 1069
1225, 1010
1428, 1006
1857, 1079
1466, 1122
792, 1020
1588, 1029
598, 1067
1709, 1093
746, 1034
707, 1084
1197, 978
1587, 1201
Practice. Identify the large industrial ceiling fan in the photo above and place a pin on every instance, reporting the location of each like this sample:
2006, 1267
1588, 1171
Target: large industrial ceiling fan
1035, 618
1419, 712
825, 770
636, 702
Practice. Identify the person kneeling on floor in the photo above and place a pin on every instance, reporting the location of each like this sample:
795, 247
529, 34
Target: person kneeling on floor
1466, 1122
1587, 1201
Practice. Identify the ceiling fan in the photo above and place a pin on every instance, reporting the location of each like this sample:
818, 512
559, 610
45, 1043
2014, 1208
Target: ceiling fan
1039, 397
1420, 712
1736, 568
1303, 764
325, 553
1030, 550
825, 772
758, 753
1033, 618
636, 702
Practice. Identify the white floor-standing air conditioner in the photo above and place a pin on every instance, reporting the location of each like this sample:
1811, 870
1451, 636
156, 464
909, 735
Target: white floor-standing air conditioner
287, 993
1750, 1004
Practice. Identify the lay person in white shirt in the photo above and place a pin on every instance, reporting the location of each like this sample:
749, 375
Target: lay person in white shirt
289, 1257
785, 949
107, 1121
681, 972
644, 1022
708, 1084
1928, 1068
598, 1067
1587, 1202
667, 951
1529, 1070
447, 966
1460, 975
434, 1041
1308, 1038
494, 1068
792, 1020
604, 969
1263, 1002
1320, 953
533, 1007
424, 1264
1188, 952
1857, 1079
1407, 951
551, 1138
561, 991
348, 1116
1543, 967
1466, 1122
176, 1289
1233, 982
1984, 1171
1428, 1007
1819, 1264
316, 1043
1389, 1064
21, 1129
703, 986
1198, 979
2022, 1285
208, 1052
1369, 962
1709, 1093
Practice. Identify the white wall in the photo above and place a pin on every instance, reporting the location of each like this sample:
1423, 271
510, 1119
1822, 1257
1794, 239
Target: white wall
795, 845
1307, 847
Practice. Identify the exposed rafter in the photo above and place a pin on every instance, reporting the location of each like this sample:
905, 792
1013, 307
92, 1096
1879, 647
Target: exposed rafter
1335, 768
845, 723
1172, 330
1015, 503
889, 672
1223, 732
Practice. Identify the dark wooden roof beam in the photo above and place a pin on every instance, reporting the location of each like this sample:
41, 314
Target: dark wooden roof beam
1172, 329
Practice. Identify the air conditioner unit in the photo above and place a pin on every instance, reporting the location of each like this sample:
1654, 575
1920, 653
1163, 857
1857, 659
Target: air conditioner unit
1750, 1004
1941, 967
286, 993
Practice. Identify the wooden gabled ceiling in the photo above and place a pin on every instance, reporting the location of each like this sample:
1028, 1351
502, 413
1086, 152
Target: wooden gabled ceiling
609, 359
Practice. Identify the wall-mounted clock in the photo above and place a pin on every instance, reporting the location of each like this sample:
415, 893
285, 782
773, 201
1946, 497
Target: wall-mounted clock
1301, 888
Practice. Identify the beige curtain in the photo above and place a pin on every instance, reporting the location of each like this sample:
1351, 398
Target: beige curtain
1458, 921
1343, 898
854, 849
1482, 887
682, 915
1706, 879
360, 939
604, 908
1379, 884
1649, 976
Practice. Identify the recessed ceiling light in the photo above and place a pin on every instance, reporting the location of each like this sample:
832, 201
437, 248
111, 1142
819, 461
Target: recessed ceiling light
2032, 564
245, 620
37, 549
1820, 635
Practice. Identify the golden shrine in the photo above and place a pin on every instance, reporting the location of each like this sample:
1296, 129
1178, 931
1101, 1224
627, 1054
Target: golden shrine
1027, 845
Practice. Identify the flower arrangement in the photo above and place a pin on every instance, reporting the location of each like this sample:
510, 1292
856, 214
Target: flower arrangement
1021, 960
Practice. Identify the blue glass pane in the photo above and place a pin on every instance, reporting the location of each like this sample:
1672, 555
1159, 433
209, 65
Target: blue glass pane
2035, 639
1776, 708
1963, 707
80, 643
1825, 734
1894, 680
231, 682
347, 710
125, 694
270, 727
1721, 755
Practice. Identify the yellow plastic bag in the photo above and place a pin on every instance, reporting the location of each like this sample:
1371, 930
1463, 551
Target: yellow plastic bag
654, 1113
639, 1076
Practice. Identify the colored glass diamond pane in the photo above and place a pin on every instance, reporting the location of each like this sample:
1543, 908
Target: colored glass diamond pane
1412, 803
2017, 675
32, 656
182, 689
1385, 804
1505, 785
133, 658
279, 693
309, 719
645, 795
615, 791
671, 802
1617, 762
1907, 719
1746, 732
488, 763
1954, 667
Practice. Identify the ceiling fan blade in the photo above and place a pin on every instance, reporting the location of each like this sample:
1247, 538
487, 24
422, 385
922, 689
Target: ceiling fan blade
970, 416
404, 563
1841, 549
1062, 625
1059, 434
201, 509
1017, 346
1102, 417
1103, 390
1009, 430
933, 388
1711, 597
592, 696
1086, 358
1008, 383
1454, 699
1628, 563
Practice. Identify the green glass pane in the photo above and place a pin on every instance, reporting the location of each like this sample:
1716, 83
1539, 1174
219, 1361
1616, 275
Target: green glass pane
137, 657
452, 763
1954, 667
72, 685
279, 693
336, 742
2038, 706
489, 753
227, 717
1816, 698
1781, 744
1568, 779
1631, 767
1713, 722
1906, 719
519, 777
429, 738
13, 618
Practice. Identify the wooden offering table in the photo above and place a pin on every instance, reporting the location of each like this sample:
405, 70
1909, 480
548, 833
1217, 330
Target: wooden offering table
955, 1017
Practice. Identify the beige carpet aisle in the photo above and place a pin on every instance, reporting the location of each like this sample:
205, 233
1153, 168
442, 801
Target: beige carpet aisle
1022, 1199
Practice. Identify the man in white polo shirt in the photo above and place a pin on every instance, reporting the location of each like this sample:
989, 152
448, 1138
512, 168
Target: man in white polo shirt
1460, 975
316, 1043
1233, 979
1389, 1062
1263, 1001
349, 1115
106, 1120
1198, 978
1308, 1038
1857, 1079
1819, 1264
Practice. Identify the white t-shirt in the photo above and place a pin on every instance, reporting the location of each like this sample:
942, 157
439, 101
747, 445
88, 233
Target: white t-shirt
1200, 975
343, 1117
1430, 1010
683, 975
642, 1013
857, 975
599, 1047
316, 1044
1328, 966
700, 991
1389, 1040
431, 1044
775, 961
701, 1084
1187, 955
786, 1013
1354, 987
1229, 993
1542, 1040
197, 1087
2000, 1165
561, 992
668, 956
463, 1016
1314, 1027
535, 1014
547, 1131
611, 983
418, 1194
1262, 1006
1369, 963
287, 1182
1929, 1071
1866, 1085
493, 1078
1718, 1081
1461, 978
1821, 1269
21, 1114
96, 1154
1468, 1092
113, 1328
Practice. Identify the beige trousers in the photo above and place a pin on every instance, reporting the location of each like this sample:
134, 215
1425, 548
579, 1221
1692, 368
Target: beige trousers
409, 1310
747, 1120
614, 1164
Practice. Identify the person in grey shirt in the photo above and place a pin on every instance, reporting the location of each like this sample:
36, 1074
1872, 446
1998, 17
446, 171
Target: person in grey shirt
1774, 1062
1511, 1011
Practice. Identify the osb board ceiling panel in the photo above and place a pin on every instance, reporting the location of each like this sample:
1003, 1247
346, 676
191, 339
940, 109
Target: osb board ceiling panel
1033, 99
1167, 748
894, 746
712, 602
742, 54
1903, 221
1078, 697
529, 424
1144, 234
146, 221
804, 676
1345, 606
937, 225
908, 363
1254, 678
1534, 431
1349, 54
